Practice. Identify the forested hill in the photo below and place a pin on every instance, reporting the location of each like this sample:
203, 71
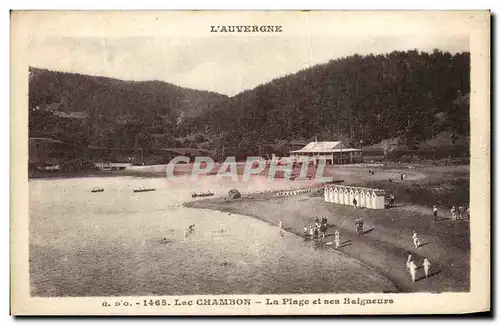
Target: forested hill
408, 95
110, 113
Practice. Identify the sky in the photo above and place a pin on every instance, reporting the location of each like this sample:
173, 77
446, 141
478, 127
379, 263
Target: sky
225, 64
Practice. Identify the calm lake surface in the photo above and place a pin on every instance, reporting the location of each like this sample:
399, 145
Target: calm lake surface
109, 243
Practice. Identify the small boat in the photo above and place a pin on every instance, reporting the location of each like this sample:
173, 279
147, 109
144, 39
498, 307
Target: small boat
202, 194
97, 190
144, 190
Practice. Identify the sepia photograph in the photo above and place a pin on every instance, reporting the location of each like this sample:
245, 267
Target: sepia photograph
250, 160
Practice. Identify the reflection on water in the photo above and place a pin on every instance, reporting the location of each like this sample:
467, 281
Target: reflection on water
111, 243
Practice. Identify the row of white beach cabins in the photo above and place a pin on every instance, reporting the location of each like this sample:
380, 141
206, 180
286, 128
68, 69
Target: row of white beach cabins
355, 196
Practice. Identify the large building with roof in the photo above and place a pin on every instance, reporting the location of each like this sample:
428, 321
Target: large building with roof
333, 152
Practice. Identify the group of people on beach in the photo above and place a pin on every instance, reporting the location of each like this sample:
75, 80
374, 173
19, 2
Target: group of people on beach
412, 267
318, 230
410, 263
460, 214
455, 214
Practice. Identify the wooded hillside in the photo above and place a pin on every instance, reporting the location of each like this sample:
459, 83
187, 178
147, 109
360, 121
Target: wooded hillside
362, 100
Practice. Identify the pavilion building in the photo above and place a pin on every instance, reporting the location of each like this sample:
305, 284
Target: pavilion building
333, 152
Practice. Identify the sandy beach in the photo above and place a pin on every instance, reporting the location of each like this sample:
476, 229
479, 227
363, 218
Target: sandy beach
91, 244
387, 238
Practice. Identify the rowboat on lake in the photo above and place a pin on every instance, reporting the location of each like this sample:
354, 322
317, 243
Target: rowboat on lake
209, 193
144, 190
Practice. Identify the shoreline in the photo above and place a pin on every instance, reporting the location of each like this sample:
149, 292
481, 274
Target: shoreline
372, 263
383, 253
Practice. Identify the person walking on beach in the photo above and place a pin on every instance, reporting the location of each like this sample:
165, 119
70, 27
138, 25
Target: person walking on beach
426, 266
305, 230
322, 230
461, 212
280, 224
355, 203
392, 200
413, 270
453, 212
311, 231
435, 213
316, 232
337, 239
416, 241
408, 261
359, 226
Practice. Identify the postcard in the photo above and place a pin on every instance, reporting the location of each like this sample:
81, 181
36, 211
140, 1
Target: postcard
250, 162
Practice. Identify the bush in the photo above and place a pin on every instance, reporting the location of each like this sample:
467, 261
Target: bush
199, 138
234, 194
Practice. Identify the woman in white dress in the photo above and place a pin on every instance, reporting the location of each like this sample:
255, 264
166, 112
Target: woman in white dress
413, 271
426, 266
337, 239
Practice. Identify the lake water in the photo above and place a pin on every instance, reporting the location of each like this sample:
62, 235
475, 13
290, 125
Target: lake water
109, 243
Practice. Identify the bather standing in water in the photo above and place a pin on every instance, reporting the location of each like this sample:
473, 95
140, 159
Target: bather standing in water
165, 241
337, 239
